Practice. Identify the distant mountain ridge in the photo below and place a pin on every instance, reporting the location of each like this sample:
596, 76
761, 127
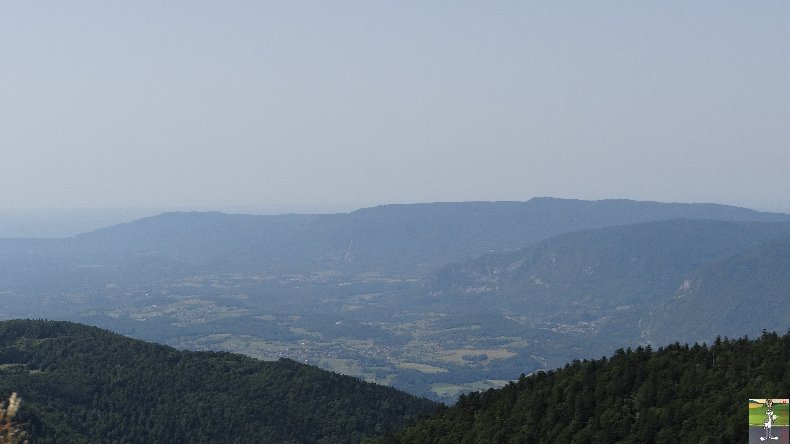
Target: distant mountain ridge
413, 239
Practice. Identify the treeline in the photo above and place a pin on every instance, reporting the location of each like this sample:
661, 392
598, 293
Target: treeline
678, 393
84, 384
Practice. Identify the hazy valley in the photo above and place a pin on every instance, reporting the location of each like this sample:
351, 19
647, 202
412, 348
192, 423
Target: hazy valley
434, 299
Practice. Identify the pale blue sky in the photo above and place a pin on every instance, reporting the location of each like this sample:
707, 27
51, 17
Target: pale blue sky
218, 104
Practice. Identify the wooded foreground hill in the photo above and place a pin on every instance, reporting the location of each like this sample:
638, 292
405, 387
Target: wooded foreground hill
678, 393
84, 384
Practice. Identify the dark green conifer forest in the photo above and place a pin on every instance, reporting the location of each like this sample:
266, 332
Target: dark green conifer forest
678, 393
84, 384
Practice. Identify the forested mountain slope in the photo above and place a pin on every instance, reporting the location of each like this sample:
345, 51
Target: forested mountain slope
616, 279
748, 288
673, 394
84, 384
612, 266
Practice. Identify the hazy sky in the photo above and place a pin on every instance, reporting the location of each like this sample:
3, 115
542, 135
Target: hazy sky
181, 104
